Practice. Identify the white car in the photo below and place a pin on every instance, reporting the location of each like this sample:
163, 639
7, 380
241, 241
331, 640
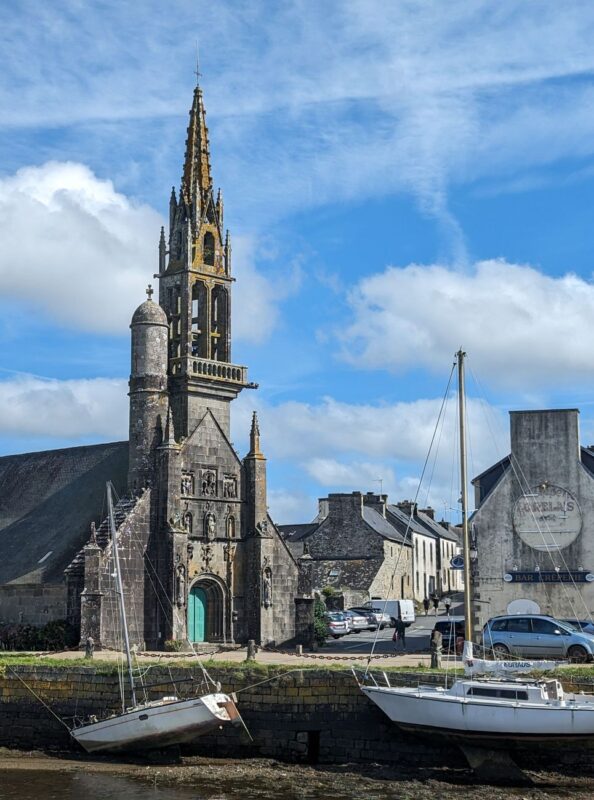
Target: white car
357, 622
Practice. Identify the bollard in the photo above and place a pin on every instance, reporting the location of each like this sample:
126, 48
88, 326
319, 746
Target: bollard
251, 650
299, 650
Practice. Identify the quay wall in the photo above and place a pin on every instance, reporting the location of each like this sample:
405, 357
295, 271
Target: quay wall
309, 715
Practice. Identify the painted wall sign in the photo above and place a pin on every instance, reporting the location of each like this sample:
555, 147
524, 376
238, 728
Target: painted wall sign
547, 577
547, 518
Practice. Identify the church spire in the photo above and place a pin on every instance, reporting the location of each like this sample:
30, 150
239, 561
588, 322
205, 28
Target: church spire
255, 451
196, 178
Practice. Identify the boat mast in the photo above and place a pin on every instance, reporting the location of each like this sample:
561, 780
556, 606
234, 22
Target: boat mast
464, 495
120, 590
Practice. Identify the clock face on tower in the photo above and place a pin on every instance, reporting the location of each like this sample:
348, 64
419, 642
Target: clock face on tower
547, 518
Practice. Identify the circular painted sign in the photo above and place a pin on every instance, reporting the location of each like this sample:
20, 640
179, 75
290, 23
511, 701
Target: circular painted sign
547, 518
457, 562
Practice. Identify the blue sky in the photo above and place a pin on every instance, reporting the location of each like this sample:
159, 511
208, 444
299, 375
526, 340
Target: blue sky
399, 179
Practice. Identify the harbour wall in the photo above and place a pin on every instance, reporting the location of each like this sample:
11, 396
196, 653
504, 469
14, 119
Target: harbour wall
308, 715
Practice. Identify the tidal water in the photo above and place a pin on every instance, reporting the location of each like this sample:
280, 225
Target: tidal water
38, 785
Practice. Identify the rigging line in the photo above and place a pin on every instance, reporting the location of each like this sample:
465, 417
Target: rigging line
205, 675
527, 488
34, 693
443, 416
549, 551
409, 524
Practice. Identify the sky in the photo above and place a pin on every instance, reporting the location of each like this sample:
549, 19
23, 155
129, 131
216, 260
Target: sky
400, 180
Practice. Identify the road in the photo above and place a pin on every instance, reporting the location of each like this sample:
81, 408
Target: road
417, 639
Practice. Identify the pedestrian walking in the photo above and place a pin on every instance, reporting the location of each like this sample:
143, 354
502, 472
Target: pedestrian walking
435, 599
448, 604
426, 604
399, 634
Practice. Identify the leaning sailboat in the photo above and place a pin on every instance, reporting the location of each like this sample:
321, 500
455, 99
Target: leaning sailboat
486, 708
152, 724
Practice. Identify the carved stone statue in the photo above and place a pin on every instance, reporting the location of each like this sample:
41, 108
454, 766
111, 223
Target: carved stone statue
262, 529
230, 486
93, 533
187, 485
267, 587
209, 484
175, 521
210, 527
180, 585
188, 522
190, 550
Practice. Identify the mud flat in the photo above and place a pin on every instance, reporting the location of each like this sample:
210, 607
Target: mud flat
28, 776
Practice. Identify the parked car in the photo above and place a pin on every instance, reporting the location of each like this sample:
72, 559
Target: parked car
370, 617
584, 625
405, 609
536, 636
337, 624
381, 619
452, 630
357, 622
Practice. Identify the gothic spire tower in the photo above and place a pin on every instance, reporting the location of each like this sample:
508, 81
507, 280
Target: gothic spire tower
195, 290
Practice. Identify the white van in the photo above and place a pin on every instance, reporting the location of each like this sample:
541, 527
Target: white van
405, 609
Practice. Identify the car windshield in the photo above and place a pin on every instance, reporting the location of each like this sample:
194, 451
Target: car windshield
572, 625
337, 617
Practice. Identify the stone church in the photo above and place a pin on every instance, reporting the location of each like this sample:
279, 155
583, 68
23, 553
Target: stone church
201, 559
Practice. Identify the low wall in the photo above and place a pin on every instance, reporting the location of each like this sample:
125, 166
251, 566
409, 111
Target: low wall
304, 715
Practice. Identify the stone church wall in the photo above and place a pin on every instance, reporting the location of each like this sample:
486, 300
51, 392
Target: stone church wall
32, 605
138, 590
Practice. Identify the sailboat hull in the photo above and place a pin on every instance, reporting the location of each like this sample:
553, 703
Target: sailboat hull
476, 718
155, 725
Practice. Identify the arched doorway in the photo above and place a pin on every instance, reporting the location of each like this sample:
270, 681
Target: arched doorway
206, 611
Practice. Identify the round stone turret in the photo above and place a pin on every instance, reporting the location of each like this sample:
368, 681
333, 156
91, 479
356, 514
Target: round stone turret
148, 389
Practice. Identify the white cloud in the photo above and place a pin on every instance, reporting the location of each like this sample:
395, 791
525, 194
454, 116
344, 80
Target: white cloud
520, 327
356, 475
74, 247
288, 506
80, 251
315, 103
69, 409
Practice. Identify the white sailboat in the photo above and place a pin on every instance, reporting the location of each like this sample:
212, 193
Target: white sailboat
155, 724
487, 708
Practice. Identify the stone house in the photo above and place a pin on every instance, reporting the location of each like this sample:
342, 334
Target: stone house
534, 522
355, 548
201, 558
434, 544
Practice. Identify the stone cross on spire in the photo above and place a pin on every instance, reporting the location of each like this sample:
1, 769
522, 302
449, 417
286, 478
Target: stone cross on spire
149, 292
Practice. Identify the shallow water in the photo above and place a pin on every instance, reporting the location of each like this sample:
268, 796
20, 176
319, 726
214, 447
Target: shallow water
36, 785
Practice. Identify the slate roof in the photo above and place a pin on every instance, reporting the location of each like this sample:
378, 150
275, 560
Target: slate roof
295, 533
47, 503
434, 526
403, 522
382, 526
356, 573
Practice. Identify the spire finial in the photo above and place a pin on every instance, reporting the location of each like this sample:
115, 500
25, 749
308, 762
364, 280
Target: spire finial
255, 436
149, 292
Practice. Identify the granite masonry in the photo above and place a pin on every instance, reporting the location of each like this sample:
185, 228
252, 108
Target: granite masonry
201, 558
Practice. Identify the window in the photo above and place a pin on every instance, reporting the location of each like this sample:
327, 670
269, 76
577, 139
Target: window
507, 694
519, 625
544, 626
499, 625
209, 249
417, 580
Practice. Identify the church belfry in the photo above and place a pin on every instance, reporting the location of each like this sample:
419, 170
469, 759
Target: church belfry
195, 290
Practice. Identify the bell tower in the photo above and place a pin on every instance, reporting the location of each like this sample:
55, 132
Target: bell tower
195, 291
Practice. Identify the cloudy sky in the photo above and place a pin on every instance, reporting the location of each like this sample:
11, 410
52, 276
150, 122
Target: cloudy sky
400, 179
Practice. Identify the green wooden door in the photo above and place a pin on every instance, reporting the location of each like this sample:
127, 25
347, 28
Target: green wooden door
197, 614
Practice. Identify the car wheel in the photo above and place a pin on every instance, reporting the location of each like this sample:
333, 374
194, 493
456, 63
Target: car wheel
500, 651
336, 636
578, 654
356, 631
382, 626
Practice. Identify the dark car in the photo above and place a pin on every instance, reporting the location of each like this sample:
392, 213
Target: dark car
452, 630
